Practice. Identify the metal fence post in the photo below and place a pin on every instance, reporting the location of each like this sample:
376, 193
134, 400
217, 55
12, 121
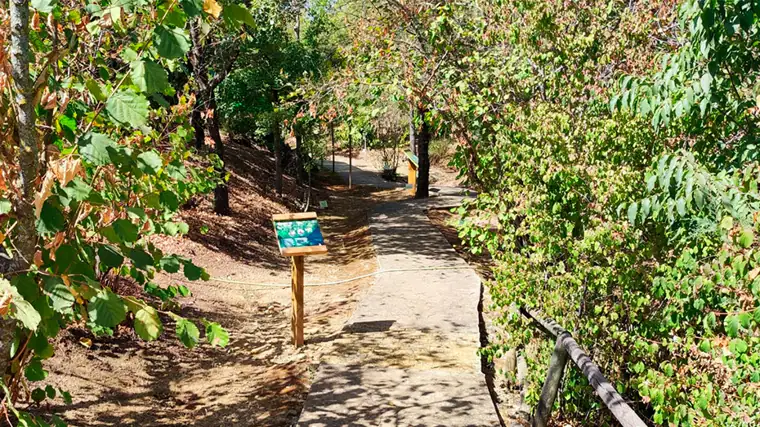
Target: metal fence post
551, 385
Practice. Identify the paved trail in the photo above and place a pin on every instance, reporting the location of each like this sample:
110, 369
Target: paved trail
408, 355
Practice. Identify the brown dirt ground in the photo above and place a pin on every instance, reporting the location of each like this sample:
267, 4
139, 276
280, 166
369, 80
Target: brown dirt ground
260, 379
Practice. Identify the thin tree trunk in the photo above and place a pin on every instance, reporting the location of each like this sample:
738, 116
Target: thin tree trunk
423, 145
277, 158
299, 157
332, 139
197, 121
221, 192
24, 236
350, 158
412, 145
201, 85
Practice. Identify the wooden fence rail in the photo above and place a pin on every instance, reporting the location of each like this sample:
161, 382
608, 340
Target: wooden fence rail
566, 347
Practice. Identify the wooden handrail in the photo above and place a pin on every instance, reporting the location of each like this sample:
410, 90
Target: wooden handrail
567, 346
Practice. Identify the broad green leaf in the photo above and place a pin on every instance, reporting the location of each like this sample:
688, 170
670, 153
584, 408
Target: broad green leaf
171, 43
109, 258
149, 76
731, 323
51, 219
170, 264
106, 309
169, 201
34, 371
42, 348
192, 7
45, 6
96, 90
125, 230
738, 346
235, 15
5, 206
38, 395
746, 238
148, 325
22, 311
192, 271
633, 210
149, 162
76, 190
216, 335
128, 108
188, 333
94, 148
705, 83
140, 259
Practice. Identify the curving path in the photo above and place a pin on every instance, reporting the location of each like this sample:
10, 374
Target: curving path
408, 356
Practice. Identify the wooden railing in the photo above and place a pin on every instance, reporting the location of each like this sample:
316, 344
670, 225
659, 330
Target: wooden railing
566, 347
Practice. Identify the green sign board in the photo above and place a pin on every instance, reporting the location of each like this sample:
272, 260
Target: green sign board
298, 233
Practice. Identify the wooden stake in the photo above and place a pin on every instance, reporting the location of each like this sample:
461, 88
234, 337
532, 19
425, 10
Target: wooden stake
296, 320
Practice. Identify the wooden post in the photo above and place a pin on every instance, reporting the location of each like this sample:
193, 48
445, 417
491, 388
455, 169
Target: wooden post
296, 321
350, 160
551, 385
332, 139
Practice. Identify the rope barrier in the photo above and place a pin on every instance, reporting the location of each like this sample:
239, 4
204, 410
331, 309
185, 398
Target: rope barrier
337, 282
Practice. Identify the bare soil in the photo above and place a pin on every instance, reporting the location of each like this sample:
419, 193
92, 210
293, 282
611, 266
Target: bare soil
260, 379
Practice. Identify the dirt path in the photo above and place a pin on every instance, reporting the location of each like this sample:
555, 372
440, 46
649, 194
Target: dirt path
259, 379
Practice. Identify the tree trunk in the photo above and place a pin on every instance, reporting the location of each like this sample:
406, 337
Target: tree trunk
221, 192
412, 145
24, 236
197, 122
299, 157
332, 139
277, 158
350, 158
423, 145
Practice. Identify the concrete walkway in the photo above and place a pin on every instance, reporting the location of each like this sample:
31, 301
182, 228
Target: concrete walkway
408, 355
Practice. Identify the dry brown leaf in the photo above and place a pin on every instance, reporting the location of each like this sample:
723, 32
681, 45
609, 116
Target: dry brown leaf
3, 186
5, 303
56, 242
66, 169
212, 8
38, 259
44, 193
107, 216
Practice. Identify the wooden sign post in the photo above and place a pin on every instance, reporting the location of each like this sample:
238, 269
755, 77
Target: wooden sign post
414, 164
298, 235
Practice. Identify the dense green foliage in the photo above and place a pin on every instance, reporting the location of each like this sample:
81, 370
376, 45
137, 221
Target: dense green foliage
614, 144
112, 88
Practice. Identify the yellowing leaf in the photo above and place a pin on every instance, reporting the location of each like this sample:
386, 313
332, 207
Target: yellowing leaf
212, 8
85, 342
44, 193
66, 169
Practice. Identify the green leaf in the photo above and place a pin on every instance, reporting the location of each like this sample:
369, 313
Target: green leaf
738, 346
149, 162
38, 395
169, 201
216, 335
128, 108
192, 7
34, 371
94, 148
705, 83
746, 238
188, 333
96, 90
731, 323
170, 264
107, 309
149, 76
51, 219
109, 258
50, 391
22, 310
171, 43
633, 210
76, 190
45, 6
235, 15
5, 206
147, 323
140, 259
126, 231
192, 271
42, 348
